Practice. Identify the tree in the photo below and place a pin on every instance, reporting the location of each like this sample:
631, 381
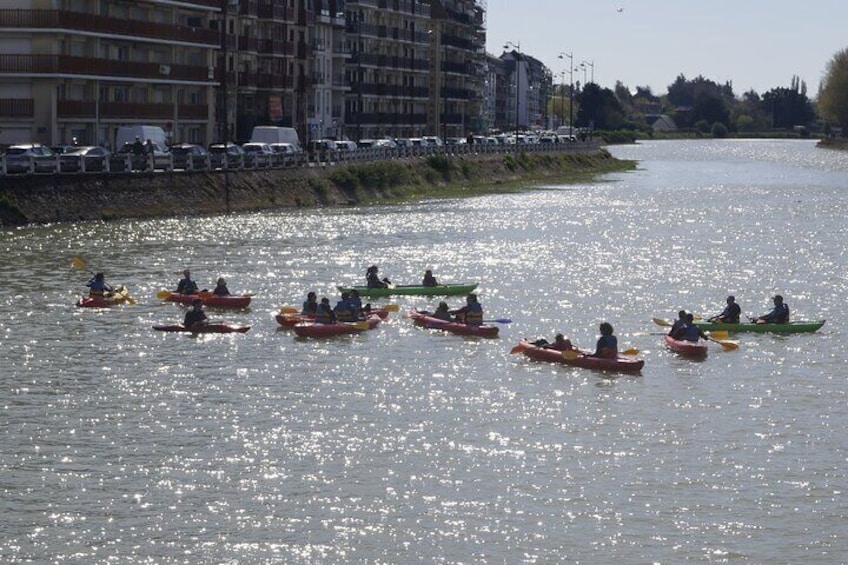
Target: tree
833, 98
599, 108
788, 107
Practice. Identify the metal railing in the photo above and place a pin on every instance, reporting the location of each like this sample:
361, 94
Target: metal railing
122, 163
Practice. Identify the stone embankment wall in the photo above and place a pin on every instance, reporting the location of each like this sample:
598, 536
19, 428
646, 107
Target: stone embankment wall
68, 198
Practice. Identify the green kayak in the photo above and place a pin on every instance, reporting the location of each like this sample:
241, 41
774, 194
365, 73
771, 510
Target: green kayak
412, 289
790, 328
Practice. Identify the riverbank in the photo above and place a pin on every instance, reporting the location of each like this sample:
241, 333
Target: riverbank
65, 198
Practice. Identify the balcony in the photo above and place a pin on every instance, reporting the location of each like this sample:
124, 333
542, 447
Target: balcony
117, 70
17, 108
386, 61
50, 20
78, 109
391, 90
271, 11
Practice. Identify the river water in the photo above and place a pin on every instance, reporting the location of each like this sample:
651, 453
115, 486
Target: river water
121, 444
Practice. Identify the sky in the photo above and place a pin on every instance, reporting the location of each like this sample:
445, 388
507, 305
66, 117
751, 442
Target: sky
754, 44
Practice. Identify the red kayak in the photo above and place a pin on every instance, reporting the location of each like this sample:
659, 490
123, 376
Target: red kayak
581, 359
234, 301
313, 329
290, 320
695, 350
423, 320
120, 296
204, 328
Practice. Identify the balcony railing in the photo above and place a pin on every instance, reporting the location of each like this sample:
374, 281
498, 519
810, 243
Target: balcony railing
68, 65
17, 107
78, 109
92, 23
386, 61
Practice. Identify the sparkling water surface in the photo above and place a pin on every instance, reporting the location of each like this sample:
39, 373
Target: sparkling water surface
400, 445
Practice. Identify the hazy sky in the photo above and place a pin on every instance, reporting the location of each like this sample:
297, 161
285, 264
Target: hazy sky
755, 44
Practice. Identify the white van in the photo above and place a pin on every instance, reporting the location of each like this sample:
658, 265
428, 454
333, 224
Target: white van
274, 134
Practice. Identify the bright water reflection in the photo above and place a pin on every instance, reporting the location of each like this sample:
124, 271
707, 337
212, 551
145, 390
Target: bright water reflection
403, 445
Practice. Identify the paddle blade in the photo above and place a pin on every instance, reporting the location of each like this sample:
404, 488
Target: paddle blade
362, 326
391, 308
289, 310
661, 322
163, 295
729, 345
570, 354
518, 348
78, 262
718, 334
499, 321
631, 351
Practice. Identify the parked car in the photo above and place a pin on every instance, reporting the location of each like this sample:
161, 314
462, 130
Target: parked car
186, 153
161, 157
259, 154
433, 140
234, 155
19, 157
346, 145
91, 157
285, 153
322, 147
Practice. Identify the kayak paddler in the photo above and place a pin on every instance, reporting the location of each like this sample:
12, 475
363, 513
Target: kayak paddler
778, 315
607, 346
730, 314
195, 317
471, 314
186, 285
97, 286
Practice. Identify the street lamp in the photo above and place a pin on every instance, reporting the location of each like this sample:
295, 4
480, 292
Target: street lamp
517, 71
583, 66
592, 65
570, 57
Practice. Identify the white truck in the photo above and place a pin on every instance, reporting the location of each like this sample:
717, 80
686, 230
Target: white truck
275, 134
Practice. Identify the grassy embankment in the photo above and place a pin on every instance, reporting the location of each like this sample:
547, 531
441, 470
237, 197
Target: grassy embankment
439, 176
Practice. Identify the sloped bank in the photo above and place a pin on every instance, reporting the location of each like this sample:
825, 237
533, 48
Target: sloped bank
65, 198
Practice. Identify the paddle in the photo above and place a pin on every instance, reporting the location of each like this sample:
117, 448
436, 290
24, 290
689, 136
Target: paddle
499, 321
79, 263
726, 345
719, 334
661, 322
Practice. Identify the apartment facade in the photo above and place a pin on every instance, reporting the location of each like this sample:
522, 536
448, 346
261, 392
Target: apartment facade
77, 69
210, 70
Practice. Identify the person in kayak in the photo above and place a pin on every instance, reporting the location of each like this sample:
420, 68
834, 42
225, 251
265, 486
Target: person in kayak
195, 316
471, 314
186, 285
730, 314
372, 278
429, 279
221, 288
607, 346
442, 312
561, 343
779, 315
97, 286
677, 327
344, 310
691, 332
324, 314
356, 303
310, 305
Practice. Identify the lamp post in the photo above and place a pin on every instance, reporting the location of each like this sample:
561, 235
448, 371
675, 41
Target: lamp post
570, 57
590, 64
517, 71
